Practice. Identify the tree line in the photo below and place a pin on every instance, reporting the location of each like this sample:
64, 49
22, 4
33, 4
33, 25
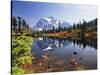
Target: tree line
85, 24
18, 23
81, 25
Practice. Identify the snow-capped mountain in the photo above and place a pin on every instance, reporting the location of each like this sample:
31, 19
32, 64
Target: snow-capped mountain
48, 23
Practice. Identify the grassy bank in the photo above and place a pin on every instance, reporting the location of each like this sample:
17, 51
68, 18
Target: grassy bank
77, 33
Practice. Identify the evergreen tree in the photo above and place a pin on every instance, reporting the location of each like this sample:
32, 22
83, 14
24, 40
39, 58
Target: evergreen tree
24, 23
53, 29
14, 23
59, 28
74, 27
19, 23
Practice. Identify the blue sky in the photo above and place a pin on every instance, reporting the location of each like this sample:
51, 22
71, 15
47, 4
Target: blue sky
32, 12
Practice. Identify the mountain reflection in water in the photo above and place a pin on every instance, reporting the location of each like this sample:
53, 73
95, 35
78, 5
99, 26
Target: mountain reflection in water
85, 51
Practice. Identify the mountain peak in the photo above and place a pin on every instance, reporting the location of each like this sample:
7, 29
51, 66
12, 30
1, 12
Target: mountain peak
49, 22
51, 17
48, 19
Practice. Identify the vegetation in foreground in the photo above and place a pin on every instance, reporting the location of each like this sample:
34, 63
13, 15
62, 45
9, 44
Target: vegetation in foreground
21, 54
23, 62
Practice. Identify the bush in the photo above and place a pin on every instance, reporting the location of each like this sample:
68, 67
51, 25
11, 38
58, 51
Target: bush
17, 71
21, 53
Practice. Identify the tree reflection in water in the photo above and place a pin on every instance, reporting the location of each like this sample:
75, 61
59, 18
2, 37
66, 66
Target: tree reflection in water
80, 42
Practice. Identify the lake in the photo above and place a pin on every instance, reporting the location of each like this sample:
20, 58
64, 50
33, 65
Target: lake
84, 51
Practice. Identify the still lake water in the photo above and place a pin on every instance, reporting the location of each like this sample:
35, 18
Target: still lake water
85, 52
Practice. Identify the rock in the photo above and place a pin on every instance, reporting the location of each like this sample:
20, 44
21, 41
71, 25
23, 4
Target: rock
81, 58
73, 60
44, 56
75, 53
